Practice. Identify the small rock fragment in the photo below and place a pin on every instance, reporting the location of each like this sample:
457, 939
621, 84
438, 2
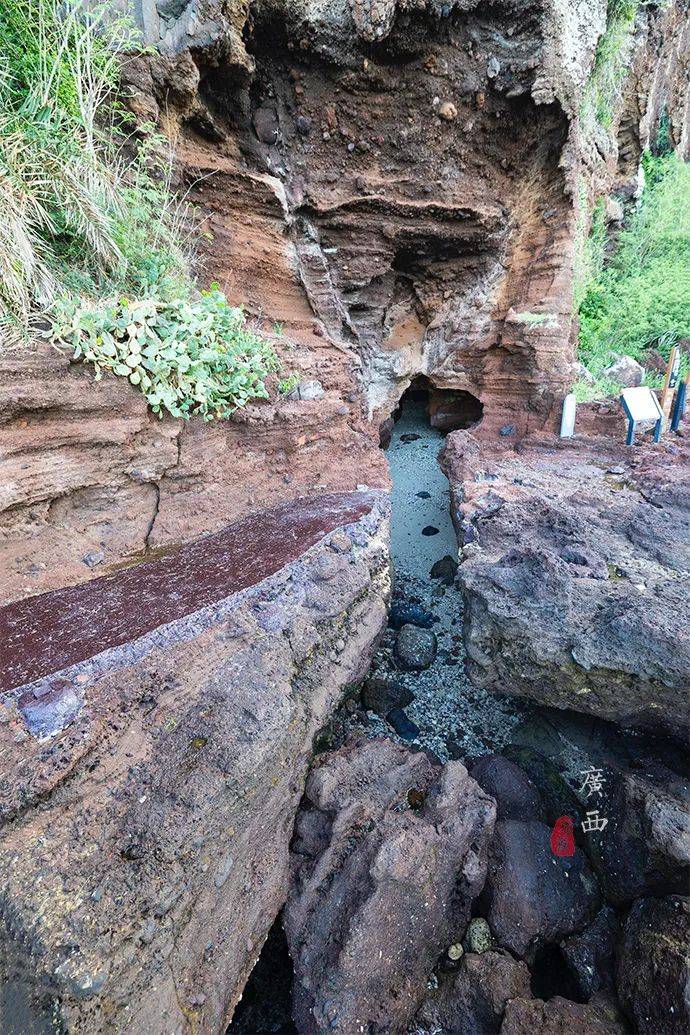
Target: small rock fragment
448, 111
402, 725
415, 648
478, 937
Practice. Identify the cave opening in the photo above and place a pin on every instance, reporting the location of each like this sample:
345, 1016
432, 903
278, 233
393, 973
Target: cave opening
446, 409
266, 1003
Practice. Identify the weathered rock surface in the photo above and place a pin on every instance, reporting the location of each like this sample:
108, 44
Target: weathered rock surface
389, 852
589, 955
148, 787
653, 973
575, 574
517, 797
561, 1017
535, 897
473, 1000
647, 844
626, 372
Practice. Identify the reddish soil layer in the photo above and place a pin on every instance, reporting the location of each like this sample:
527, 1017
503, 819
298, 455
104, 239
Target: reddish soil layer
46, 633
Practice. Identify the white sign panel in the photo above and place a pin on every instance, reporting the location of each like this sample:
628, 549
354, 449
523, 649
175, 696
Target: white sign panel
641, 404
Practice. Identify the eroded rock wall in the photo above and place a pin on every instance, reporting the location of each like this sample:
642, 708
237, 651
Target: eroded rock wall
395, 185
148, 791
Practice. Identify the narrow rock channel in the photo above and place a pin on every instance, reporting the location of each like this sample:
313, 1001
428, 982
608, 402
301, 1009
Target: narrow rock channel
445, 713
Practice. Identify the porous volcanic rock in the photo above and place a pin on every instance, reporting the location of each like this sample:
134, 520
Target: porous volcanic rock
389, 852
575, 569
534, 896
149, 783
472, 1001
559, 1016
653, 973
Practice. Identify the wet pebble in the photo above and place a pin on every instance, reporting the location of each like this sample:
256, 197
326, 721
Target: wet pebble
403, 612
402, 725
415, 648
382, 695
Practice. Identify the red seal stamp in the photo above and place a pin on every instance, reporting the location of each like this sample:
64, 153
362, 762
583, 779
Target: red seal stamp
562, 838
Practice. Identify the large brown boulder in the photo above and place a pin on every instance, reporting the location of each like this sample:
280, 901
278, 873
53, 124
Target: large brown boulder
653, 975
574, 574
390, 850
535, 897
156, 732
472, 1001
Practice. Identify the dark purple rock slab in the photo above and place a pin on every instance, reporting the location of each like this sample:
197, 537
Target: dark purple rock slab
47, 633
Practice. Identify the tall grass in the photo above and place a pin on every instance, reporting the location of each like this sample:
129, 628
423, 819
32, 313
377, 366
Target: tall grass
603, 90
640, 299
75, 214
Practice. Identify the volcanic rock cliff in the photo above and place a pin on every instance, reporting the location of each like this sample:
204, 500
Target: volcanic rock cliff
402, 186
399, 186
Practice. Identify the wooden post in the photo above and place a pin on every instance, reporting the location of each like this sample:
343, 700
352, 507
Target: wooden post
679, 408
672, 371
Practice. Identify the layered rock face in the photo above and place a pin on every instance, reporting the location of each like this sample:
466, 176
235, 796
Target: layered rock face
575, 574
89, 477
393, 184
397, 177
390, 850
156, 728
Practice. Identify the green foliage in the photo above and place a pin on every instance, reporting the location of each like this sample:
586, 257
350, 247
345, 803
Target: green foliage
641, 298
89, 238
589, 251
286, 385
75, 215
594, 390
191, 358
602, 93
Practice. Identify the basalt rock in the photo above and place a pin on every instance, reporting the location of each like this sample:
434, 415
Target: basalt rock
653, 973
404, 612
647, 844
157, 726
473, 1000
415, 648
559, 1016
381, 695
544, 524
389, 852
589, 956
517, 797
534, 897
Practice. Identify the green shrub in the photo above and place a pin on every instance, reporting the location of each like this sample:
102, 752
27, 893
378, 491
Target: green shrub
191, 358
640, 299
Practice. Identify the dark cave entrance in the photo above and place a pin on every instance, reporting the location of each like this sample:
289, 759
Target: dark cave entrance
266, 1003
447, 409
